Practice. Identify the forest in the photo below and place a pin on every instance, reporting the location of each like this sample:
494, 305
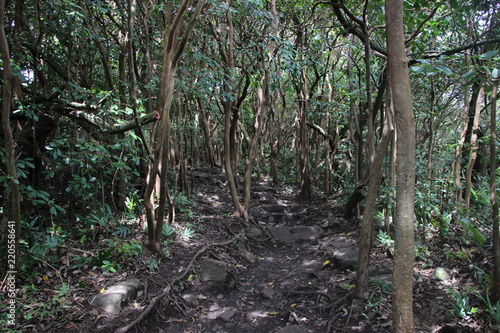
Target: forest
249, 166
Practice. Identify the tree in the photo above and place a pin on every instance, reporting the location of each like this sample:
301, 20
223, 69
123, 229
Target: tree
493, 187
13, 196
399, 84
375, 178
175, 42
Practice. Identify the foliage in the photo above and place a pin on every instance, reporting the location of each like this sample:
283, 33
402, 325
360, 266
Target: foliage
492, 309
461, 304
83, 186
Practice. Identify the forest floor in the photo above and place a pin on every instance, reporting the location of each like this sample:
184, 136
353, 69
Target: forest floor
275, 282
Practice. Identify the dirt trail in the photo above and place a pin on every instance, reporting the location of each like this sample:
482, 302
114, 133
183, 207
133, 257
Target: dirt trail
282, 276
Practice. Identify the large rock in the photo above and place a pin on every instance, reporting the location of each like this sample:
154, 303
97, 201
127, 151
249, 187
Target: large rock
214, 271
345, 257
290, 234
342, 250
117, 296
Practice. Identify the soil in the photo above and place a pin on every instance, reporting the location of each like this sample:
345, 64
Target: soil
272, 285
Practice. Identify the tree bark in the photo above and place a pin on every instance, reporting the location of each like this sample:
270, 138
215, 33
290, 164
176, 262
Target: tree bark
404, 256
366, 232
303, 100
230, 121
175, 43
473, 148
13, 197
493, 193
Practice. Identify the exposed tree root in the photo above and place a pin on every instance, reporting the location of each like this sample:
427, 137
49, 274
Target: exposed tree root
165, 293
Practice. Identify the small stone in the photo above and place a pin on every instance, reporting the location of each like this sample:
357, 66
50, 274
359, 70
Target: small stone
255, 212
441, 274
250, 257
190, 299
268, 293
227, 315
214, 307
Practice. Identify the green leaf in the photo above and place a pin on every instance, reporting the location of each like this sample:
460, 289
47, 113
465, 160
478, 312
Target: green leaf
454, 4
444, 69
488, 55
469, 75
495, 73
418, 69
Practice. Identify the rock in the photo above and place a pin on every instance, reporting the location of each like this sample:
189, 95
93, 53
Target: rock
345, 257
115, 297
343, 251
254, 232
441, 274
274, 209
293, 329
250, 257
334, 222
255, 212
213, 271
268, 293
263, 189
290, 234
190, 299
227, 315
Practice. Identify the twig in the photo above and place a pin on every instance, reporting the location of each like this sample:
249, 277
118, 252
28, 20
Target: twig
166, 291
57, 272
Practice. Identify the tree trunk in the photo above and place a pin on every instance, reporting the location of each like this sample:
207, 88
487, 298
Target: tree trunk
262, 97
231, 120
12, 197
175, 42
493, 193
404, 256
473, 148
303, 100
355, 133
376, 172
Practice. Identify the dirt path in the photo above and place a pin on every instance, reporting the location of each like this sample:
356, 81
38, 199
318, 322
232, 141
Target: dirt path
283, 276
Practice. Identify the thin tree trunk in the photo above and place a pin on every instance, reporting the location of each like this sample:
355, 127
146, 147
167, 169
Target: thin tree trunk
376, 173
303, 100
13, 212
230, 123
262, 96
457, 168
175, 42
355, 134
430, 143
493, 193
404, 256
473, 148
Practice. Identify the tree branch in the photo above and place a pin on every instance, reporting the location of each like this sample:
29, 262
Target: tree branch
109, 128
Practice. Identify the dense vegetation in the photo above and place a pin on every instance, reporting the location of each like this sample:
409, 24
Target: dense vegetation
109, 98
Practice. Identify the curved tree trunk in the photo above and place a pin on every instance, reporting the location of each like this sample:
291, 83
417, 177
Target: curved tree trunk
404, 256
